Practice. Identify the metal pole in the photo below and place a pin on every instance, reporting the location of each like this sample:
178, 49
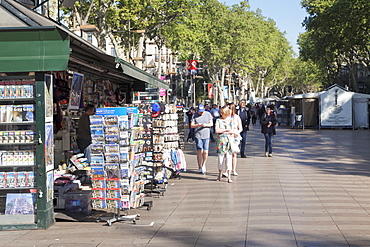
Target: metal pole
194, 92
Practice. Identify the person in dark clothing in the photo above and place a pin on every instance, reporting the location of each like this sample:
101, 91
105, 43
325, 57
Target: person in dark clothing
254, 113
268, 123
83, 128
245, 115
191, 130
261, 111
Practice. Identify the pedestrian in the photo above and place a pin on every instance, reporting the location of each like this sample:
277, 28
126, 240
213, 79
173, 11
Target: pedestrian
215, 112
268, 123
202, 122
224, 129
245, 115
261, 111
83, 128
237, 129
210, 129
189, 114
83, 131
254, 114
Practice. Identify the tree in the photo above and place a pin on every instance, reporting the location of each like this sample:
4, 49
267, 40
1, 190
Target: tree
337, 37
303, 77
232, 39
118, 19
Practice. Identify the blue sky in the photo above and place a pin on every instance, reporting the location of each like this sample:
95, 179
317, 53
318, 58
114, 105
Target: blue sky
287, 14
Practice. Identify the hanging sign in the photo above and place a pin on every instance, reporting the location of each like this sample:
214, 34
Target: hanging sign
226, 92
191, 66
162, 92
211, 90
76, 91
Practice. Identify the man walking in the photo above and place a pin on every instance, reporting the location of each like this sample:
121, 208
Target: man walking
202, 122
215, 112
245, 115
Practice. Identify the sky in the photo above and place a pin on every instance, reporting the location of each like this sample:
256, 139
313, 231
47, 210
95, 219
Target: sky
287, 14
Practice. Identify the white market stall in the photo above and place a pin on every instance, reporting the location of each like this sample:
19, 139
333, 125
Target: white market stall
335, 107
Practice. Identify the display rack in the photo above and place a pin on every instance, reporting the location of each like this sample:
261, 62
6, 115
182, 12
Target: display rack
26, 139
166, 143
118, 176
181, 123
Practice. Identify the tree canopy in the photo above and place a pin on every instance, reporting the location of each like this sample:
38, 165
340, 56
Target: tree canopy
229, 40
337, 37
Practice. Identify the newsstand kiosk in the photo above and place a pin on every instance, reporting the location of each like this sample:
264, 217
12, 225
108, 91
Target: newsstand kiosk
26, 124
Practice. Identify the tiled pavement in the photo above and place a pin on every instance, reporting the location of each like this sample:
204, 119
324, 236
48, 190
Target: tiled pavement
314, 191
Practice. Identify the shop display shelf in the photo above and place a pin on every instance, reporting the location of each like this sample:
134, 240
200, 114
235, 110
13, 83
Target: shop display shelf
18, 123
17, 100
19, 188
17, 143
10, 166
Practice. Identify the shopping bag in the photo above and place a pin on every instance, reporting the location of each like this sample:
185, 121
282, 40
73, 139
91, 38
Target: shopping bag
234, 145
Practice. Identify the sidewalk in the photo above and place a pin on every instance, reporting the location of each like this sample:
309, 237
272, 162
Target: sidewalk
314, 191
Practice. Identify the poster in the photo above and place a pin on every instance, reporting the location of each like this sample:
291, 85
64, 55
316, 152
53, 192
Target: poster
49, 186
20, 203
76, 91
48, 98
211, 90
336, 107
49, 147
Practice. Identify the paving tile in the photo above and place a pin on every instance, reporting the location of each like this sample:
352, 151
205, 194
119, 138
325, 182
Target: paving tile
308, 194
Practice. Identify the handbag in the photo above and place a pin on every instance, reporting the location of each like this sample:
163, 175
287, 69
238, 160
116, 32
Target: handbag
234, 145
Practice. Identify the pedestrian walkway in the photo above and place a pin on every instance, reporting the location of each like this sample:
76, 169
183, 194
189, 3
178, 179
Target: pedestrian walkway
314, 191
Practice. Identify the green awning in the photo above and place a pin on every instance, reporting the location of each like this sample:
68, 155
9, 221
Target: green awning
26, 49
138, 74
30, 42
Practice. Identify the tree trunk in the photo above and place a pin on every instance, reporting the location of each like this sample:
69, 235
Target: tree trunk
139, 52
222, 100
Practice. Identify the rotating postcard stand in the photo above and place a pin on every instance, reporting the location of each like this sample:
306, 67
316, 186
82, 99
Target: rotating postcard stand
118, 217
116, 171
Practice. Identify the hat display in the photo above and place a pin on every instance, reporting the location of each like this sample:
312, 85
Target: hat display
156, 110
201, 108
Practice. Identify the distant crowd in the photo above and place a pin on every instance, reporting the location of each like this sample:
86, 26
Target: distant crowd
230, 123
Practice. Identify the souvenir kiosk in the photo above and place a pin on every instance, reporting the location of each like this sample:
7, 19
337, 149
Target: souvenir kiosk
32, 48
